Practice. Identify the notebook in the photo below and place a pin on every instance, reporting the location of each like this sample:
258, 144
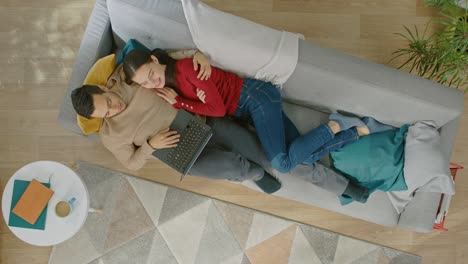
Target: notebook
194, 135
36, 211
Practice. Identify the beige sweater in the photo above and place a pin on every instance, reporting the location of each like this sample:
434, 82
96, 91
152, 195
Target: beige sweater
126, 134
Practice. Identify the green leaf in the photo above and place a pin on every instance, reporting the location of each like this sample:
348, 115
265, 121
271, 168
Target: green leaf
409, 32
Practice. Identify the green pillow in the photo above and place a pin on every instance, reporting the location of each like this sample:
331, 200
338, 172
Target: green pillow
374, 161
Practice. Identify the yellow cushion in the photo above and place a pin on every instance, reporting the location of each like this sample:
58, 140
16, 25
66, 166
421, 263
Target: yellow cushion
88, 126
97, 75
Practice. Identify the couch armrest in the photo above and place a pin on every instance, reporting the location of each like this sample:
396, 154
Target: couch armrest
448, 134
419, 215
96, 43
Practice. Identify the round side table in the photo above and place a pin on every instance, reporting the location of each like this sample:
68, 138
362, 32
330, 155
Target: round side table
66, 184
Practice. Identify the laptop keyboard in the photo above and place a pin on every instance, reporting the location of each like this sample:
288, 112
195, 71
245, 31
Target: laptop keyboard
181, 156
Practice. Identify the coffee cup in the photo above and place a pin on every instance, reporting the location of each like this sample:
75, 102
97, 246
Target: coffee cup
64, 208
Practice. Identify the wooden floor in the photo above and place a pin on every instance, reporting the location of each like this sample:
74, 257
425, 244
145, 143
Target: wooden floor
38, 45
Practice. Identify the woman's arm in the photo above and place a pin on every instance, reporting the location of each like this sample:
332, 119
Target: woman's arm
210, 108
182, 54
213, 105
198, 58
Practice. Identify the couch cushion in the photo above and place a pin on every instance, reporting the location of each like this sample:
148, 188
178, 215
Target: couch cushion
101, 71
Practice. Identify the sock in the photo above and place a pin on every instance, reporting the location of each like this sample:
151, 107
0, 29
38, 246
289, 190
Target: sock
356, 192
268, 183
346, 122
375, 126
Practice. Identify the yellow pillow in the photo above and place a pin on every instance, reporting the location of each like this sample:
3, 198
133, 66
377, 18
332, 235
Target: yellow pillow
97, 75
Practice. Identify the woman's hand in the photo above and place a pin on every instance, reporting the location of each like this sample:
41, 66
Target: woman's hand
201, 117
164, 139
205, 67
167, 94
201, 95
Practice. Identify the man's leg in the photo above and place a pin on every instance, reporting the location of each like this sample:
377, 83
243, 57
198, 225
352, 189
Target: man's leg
234, 137
216, 162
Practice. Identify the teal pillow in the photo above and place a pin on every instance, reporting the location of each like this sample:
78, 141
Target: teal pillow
131, 45
374, 161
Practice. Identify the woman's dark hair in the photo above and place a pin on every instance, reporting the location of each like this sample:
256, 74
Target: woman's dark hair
137, 57
82, 99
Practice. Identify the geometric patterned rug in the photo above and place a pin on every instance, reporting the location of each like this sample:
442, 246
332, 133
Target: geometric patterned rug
146, 222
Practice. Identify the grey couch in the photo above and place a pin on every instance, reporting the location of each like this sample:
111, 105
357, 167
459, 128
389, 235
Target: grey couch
324, 81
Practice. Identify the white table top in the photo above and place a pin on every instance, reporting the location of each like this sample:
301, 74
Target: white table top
66, 184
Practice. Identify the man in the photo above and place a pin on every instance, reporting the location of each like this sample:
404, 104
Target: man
135, 122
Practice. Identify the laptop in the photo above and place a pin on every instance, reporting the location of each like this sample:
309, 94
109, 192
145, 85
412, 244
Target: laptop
194, 135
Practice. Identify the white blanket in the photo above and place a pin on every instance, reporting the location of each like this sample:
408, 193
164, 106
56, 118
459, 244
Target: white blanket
241, 46
425, 168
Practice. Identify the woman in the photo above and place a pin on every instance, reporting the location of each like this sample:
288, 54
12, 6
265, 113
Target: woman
226, 93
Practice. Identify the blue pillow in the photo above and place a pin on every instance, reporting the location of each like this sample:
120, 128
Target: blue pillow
131, 45
375, 161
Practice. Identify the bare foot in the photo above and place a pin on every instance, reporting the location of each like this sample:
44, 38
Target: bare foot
363, 131
334, 126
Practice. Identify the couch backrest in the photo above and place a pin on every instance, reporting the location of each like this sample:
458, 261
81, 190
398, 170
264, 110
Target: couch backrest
155, 23
326, 78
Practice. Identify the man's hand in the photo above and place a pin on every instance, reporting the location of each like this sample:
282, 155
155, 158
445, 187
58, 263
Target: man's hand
164, 139
205, 67
167, 94
201, 95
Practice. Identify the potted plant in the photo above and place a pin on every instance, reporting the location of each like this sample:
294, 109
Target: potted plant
443, 56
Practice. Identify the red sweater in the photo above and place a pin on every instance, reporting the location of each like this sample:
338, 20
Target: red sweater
222, 90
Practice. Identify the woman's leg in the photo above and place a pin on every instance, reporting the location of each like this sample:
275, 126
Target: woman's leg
290, 129
340, 140
263, 102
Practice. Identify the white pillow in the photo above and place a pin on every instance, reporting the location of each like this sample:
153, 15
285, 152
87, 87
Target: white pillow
425, 167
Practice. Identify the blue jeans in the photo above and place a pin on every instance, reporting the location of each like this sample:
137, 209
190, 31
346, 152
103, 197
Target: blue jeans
284, 146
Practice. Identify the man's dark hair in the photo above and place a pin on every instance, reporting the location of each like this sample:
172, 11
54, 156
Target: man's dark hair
82, 99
